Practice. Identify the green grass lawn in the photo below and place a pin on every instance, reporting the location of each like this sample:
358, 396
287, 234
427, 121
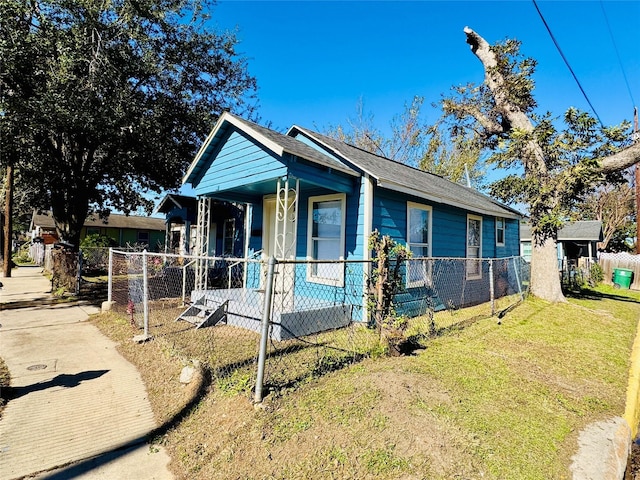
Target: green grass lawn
492, 400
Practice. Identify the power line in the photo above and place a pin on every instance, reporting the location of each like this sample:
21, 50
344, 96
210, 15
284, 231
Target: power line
555, 42
615, 47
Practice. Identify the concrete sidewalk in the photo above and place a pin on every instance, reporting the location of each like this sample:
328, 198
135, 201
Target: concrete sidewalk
77, 403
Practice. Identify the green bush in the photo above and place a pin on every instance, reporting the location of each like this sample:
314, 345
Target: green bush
596, 274
22, 255
97, 240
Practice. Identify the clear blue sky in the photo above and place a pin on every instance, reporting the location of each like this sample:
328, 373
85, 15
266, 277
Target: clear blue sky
315, 60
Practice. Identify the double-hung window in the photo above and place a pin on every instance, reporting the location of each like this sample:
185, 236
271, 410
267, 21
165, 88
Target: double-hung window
419, 243
474, 247
326, 238
500, 229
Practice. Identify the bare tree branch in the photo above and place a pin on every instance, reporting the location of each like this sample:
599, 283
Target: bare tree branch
515, 117
621, 160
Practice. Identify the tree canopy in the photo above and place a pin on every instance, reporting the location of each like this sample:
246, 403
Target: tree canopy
105, 101
560, 166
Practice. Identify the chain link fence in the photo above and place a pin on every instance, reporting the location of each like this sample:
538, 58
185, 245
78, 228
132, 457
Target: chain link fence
252, 330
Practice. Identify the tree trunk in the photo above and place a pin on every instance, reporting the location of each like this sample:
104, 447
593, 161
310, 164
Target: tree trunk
8, 221
545, 274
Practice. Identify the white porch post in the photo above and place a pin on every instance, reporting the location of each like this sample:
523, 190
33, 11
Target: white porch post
286, 217
202, 242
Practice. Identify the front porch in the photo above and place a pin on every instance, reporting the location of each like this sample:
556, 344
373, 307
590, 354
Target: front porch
291, 316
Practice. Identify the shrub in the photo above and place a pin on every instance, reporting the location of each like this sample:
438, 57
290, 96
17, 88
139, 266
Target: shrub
596, 274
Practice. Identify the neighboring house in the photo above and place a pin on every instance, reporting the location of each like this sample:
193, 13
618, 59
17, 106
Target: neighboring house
577, 242
311, 197
226, 226
122, 229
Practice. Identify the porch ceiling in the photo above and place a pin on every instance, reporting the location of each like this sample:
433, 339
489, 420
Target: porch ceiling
254, 192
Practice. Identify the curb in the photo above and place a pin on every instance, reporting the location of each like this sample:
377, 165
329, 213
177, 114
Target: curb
632, 408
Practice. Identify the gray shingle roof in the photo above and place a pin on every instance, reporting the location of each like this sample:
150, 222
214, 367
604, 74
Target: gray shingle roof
584, 230
45, 220
398, 176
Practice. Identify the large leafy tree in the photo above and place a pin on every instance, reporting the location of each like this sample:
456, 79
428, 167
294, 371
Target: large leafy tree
104, 101
559, 166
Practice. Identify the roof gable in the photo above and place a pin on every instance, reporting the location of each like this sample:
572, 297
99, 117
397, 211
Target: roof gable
273, 141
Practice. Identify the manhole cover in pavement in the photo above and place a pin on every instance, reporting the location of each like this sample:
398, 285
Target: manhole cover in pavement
38, 366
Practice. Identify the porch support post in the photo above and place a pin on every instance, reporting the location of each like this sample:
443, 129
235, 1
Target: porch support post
248, 220
202, 242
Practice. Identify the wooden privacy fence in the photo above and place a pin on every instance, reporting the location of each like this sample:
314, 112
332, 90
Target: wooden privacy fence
610, 261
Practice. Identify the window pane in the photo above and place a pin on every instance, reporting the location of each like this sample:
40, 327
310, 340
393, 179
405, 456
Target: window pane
327, 219
326, 239
418, 225
473, 233
419, 251
326, 249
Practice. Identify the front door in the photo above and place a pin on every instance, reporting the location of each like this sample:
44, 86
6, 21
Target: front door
279, 240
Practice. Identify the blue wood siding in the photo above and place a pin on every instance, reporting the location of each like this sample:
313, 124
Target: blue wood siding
390, 214
448, 226
449, 236
240, 161
511, 238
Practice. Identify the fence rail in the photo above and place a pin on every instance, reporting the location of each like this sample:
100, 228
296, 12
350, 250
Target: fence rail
260, 326
610, 261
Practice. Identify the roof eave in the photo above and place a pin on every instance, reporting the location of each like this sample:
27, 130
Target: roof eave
389, 184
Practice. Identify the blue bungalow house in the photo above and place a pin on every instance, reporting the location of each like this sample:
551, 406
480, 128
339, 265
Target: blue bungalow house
311, 197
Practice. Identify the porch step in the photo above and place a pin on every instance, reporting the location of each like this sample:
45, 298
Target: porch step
204, 313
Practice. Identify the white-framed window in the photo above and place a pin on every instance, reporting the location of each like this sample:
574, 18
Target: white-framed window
228, 236
500, 231
474, 247
326, 238
419, 243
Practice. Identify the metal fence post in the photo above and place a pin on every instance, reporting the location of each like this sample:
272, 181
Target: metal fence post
492, 288
145, 293
79, 275
264, 334
110, 278
515, 270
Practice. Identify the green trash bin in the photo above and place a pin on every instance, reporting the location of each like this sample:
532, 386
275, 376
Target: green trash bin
622, 277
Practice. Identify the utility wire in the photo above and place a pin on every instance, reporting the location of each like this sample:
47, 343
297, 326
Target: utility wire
555, 42
615, 47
